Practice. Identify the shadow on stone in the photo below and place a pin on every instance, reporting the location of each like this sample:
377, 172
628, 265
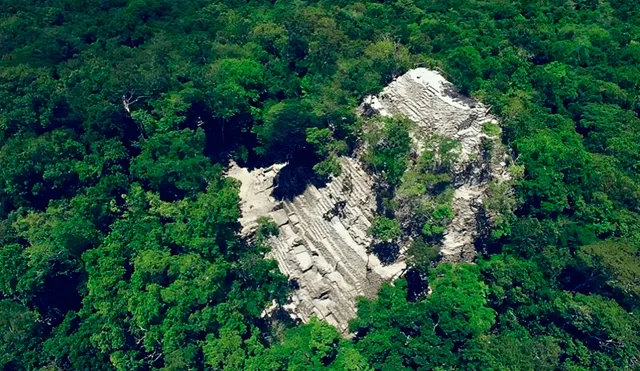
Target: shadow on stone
292, 180
387, 252
384, 194
280, 314
294, 284
275, 322
452, 92
484, 244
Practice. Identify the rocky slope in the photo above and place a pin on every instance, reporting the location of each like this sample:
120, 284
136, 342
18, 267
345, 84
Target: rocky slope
323, 239
433, 104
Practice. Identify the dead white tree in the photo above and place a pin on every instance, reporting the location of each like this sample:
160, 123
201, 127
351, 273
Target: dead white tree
128, 100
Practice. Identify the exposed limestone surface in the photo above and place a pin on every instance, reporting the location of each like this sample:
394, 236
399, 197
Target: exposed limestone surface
256, 199
433, 104
323, 238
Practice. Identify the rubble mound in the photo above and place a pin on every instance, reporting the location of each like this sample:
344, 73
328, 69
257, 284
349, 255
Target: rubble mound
323, 245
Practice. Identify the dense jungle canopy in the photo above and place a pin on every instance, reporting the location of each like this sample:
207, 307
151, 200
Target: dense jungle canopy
119, 233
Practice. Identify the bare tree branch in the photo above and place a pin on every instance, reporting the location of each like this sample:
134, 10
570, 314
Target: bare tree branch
128, 100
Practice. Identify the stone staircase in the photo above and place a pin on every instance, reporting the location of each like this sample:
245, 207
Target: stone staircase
327, 256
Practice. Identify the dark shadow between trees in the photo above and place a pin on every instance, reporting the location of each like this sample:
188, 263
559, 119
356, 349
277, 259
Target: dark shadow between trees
417, 285
59, 296
387, 252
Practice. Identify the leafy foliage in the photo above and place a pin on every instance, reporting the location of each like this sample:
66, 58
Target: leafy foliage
385, 229
118, 230
389, 149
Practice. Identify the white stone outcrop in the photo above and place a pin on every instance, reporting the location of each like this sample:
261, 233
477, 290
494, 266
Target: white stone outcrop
432, 103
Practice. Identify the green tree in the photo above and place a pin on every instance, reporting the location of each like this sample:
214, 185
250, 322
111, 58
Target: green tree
234, 86
603, 324
385, 229
38, 169
173, 163
313, 346
283, 132
394, 333
389, 149
514, 351
20, 342
466, 62
612, 265
328, 149
459, 301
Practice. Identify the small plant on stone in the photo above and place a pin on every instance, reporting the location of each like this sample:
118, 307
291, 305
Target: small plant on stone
385, 229
266, 228
491, 129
